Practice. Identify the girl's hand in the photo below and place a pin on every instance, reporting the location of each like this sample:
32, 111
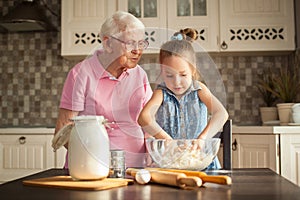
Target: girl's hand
148, 160
198, 144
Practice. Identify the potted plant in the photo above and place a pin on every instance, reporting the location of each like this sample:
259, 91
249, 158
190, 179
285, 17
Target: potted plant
268, 112
286, 87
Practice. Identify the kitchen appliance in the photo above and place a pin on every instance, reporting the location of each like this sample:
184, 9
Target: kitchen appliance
88, 147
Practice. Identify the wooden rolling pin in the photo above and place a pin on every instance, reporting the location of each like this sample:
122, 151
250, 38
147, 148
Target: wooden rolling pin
219, 179
170, 178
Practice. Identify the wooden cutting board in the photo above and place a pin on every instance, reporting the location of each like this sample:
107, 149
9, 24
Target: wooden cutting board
66, 182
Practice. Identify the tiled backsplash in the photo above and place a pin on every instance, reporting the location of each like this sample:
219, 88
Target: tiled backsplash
33, 73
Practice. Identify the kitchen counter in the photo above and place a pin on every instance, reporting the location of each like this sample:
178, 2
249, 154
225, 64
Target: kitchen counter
235, 129
29, 131
266, 129
258, 184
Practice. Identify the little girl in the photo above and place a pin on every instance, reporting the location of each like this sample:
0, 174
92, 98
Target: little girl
179, 106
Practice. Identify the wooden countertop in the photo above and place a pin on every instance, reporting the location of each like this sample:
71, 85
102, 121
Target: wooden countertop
258, 184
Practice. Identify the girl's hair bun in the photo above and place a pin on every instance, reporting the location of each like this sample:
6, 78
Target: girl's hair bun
188, 34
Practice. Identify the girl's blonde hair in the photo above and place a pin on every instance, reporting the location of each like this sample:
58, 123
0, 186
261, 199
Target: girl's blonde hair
119, 22
183, 49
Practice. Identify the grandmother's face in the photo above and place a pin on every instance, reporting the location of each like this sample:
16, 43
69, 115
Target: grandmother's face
128, 47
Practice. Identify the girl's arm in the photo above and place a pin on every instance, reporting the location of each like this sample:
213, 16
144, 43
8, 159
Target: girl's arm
219, 114
147, 116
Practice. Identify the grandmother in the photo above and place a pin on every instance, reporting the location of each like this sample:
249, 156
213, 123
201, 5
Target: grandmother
112, 84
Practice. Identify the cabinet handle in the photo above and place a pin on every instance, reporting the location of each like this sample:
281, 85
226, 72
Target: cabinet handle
234, 145
22, 140
224, 45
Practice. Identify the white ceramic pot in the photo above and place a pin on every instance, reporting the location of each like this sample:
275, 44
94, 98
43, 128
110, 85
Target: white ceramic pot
296, 108
296, 117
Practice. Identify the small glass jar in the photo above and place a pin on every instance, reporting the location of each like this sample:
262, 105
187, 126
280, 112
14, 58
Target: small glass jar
117, 163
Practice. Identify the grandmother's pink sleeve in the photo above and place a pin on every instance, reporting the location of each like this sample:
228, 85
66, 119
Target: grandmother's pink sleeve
73, 91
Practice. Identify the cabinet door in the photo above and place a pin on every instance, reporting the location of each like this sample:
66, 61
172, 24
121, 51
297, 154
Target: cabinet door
256, 25
153, 14
290, 162
81, 21
199, 14
255, 151
24, 154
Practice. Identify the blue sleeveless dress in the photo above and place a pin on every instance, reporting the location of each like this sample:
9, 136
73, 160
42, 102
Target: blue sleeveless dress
184, 118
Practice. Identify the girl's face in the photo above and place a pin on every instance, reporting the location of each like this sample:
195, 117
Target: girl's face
177, 74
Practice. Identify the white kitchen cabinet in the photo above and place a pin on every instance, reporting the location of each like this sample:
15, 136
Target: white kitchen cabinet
169, 16
24, 154
276, 145
260, 25
27, 150
81, 21
290, 152
256, 151
222, 25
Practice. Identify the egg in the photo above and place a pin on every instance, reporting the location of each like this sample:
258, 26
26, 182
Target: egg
143, 176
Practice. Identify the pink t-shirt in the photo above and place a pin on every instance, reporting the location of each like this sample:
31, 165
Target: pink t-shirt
91, 90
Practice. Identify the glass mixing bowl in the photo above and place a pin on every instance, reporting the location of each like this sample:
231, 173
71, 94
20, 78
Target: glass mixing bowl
182, 153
